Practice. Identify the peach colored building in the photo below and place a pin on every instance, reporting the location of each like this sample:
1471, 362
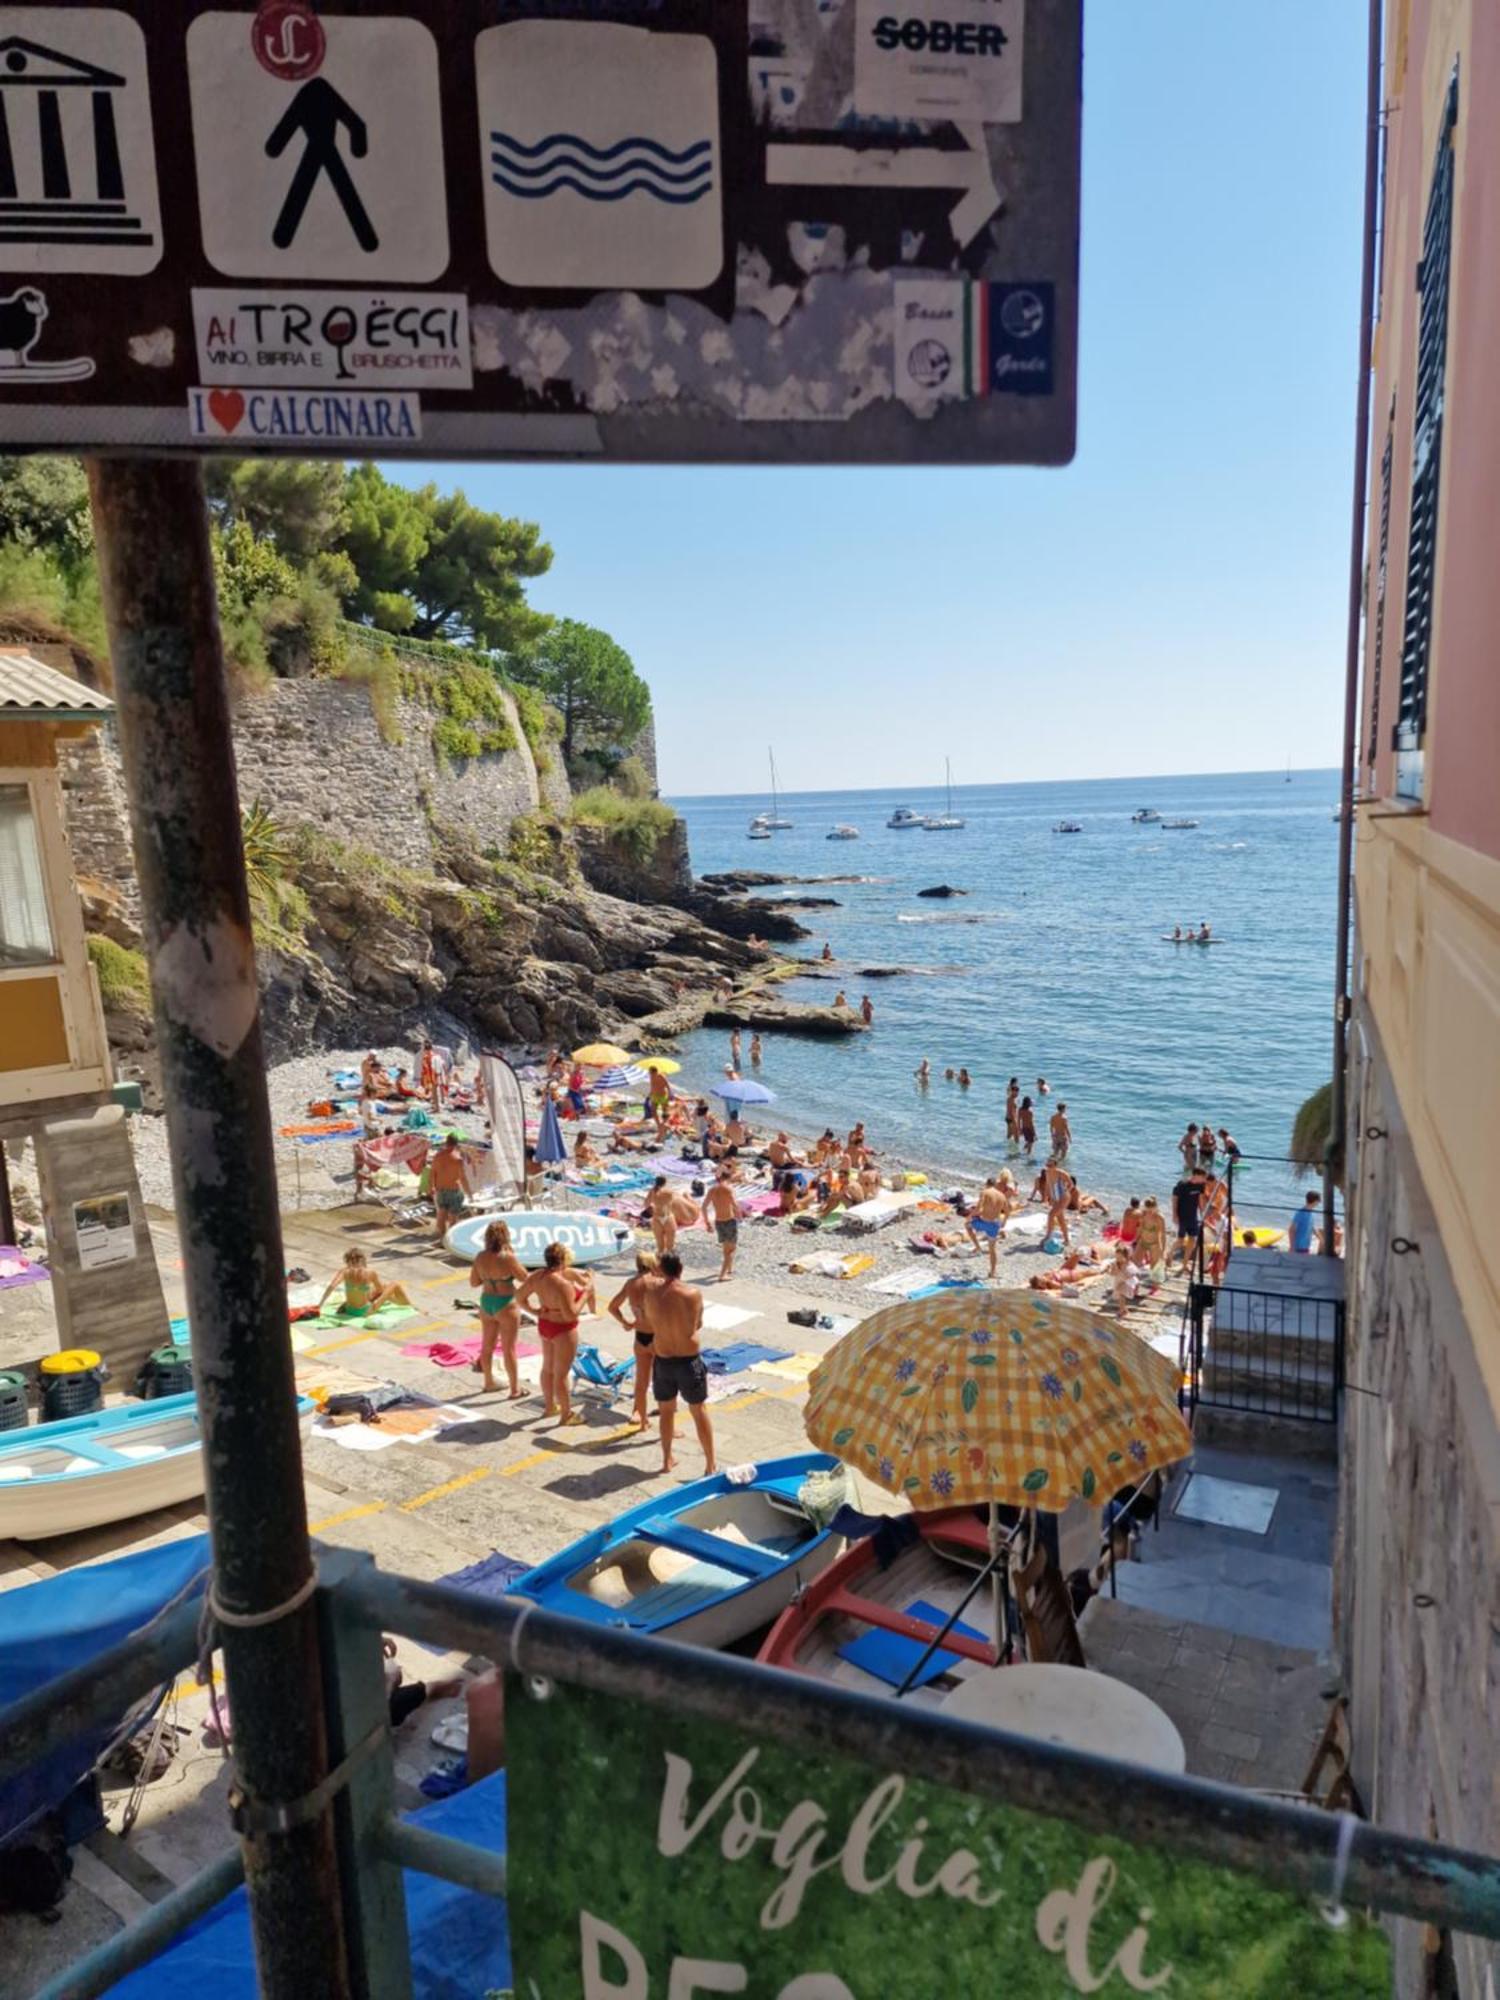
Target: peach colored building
1420, 1577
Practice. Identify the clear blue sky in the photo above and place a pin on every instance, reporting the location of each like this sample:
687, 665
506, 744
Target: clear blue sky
1171, 602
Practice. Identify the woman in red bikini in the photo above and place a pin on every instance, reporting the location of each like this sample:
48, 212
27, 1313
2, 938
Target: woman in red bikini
559, 1296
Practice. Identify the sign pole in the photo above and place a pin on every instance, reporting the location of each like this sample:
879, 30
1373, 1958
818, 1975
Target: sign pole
151, 525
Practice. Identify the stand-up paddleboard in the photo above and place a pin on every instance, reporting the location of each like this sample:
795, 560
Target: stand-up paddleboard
591, 1238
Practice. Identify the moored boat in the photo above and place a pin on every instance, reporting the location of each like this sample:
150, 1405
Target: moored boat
904, 817
1145, 815
1068, 826
707, 1565
843, 832
109, 1465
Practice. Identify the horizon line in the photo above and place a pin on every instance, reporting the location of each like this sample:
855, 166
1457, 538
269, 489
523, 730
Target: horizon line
1006, 784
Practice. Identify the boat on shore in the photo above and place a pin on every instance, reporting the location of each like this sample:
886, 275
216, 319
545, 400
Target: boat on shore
110, 1465
865, 1626
707, 1565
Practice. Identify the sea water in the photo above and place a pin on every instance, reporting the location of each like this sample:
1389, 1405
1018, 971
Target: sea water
1053, 965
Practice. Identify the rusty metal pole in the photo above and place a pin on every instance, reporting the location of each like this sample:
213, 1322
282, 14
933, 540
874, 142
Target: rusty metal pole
151, 525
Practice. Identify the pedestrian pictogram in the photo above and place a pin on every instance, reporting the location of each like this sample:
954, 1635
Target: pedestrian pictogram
77, 175
330, 176
288, 39
320, 117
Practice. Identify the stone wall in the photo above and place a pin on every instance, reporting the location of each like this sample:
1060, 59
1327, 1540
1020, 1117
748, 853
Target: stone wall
98, 818
608, 864
1418, 1564
312, 751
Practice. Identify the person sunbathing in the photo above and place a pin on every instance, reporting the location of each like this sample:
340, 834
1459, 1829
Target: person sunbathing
624, 1140
791, 1187
940, 1241
583, 1152
837, 1194
1076, 1267
869, 1183
363, 1292
402, 1086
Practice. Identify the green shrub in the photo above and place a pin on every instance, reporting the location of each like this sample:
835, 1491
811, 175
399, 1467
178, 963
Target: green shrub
472, 715
379, 674
124, 982
638, 825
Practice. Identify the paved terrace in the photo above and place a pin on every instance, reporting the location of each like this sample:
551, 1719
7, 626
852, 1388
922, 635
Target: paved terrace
1214, 1624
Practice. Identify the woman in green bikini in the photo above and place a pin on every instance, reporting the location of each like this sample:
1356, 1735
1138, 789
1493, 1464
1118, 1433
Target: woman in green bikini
496, 1274
363, 1292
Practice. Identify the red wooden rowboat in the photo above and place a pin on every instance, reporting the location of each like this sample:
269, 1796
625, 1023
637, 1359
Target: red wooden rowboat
856, 1595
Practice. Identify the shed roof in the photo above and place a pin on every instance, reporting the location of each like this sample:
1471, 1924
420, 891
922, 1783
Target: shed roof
30, 691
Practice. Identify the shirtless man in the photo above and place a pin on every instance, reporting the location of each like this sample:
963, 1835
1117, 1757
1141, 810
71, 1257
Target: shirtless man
736, 1132
989, 1219
1057, 1192
669, 1212
721, 1211
780, 1153
450, 1185
1012, 1111
734, 1047
1062, 1132
659, 1101
675, 1310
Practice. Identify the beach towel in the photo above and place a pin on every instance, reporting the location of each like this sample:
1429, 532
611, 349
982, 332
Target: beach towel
322, 1129
719, 1319
16, 1269
795, 1368
900, 1284
338, 1321
739, 1355
459, 1353
760, 1204
721, 1388
948, 1285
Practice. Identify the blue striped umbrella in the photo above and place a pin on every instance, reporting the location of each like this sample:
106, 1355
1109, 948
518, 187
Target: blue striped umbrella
617, 1079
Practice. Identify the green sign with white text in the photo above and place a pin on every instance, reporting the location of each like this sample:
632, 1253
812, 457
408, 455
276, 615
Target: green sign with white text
657, 1857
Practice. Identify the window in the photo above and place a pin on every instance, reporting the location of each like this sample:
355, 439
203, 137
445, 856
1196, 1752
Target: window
1382, 570
1409, 734
25, 928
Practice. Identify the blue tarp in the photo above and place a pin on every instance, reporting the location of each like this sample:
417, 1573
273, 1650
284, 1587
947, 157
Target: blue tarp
65, 1621
460, 1941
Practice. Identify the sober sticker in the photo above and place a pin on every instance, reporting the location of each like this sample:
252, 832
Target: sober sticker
939, 59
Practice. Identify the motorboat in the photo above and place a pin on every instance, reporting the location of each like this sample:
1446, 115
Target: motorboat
1145, 816
109, 1465
708, 1564
1068, 826
947, 821
758, 832
906, 816
842, 832
1179, 825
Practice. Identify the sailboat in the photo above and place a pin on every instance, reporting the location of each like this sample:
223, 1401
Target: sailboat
772, 822
947, 821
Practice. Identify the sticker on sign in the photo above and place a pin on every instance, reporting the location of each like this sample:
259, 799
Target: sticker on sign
331, 338
304, 419
958, 59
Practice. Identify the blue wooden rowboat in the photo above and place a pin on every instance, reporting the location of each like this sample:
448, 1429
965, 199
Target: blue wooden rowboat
110, 1465
708, 1564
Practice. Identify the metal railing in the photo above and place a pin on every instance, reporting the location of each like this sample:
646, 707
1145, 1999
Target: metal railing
1265, 1354
1294, 1846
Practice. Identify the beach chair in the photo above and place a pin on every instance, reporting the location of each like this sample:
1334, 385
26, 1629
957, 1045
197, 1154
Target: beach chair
597, 1377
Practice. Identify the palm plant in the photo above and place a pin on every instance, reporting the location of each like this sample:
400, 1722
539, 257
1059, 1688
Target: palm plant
1312, 1135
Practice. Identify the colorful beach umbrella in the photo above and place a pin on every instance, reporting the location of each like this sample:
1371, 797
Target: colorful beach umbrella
601, 1055
1015, 1398
663, 1065
622, 1077
743, 1090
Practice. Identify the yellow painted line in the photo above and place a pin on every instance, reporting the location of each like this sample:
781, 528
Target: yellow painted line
454, 1277
349, 1514
525, 1464
333, 1346
449, 1486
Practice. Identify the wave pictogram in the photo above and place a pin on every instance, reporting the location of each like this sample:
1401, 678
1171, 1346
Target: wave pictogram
601, 173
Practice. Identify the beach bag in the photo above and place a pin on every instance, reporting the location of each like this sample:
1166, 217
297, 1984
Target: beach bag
802, 1316
366, 1404
1052, 1246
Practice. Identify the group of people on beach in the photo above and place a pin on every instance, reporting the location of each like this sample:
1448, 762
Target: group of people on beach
662, 1313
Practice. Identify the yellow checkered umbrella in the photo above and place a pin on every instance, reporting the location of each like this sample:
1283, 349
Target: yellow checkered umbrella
1015, 1398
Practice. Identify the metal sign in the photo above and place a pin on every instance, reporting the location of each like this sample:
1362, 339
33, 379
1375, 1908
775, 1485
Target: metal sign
640, 229
688, 1857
